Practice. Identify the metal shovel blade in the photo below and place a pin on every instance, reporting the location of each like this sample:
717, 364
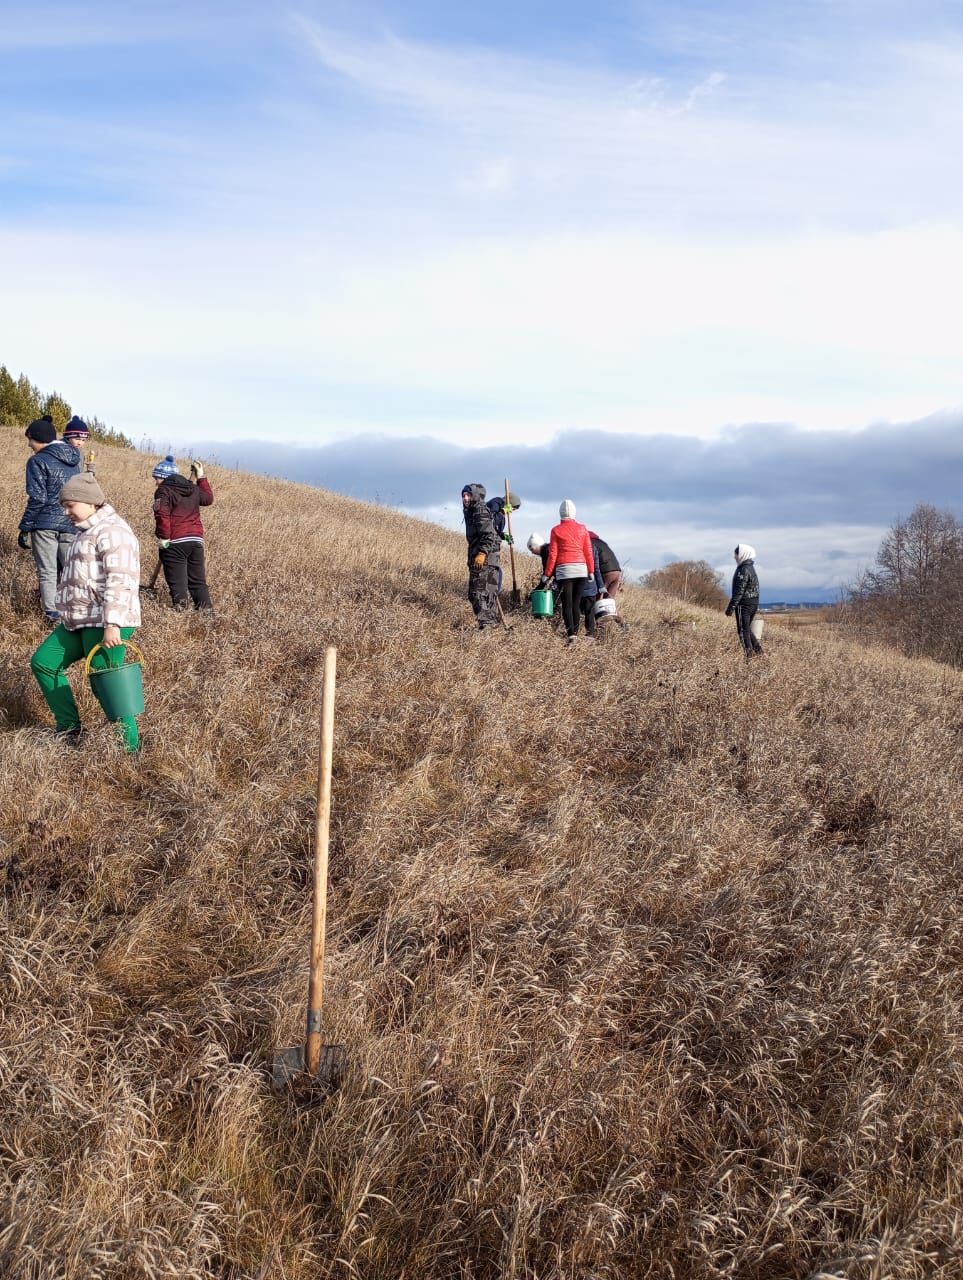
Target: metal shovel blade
288, 1066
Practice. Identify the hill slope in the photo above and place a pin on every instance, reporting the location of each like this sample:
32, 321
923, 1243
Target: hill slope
648, 964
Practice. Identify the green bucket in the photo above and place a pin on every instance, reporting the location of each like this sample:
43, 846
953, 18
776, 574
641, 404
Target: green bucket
119, 690
543, 604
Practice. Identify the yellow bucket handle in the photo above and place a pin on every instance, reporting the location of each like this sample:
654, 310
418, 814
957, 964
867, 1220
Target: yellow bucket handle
128, 643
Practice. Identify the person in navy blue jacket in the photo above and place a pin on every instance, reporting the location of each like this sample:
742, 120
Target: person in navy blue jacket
594, 587
44, 527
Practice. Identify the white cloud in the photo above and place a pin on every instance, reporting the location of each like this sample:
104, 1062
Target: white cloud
498, 247
497, 336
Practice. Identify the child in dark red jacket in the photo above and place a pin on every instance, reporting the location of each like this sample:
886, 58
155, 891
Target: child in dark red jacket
180, 534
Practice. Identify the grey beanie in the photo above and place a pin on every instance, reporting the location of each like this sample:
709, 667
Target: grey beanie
83, 488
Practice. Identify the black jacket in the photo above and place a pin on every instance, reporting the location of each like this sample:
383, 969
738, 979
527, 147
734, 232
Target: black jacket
479, 528
608, 562
745, 585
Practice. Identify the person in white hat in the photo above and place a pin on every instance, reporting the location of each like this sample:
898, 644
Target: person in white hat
744, 600
570, 560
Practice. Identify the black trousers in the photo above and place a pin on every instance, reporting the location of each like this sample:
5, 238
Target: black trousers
570, 593
744, 616
183, 564
587, 606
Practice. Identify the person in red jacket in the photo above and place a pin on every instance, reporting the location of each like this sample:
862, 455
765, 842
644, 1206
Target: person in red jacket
570, 560
180, 534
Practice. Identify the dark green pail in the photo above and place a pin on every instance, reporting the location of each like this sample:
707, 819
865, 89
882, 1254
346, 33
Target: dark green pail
543, 604
119, 690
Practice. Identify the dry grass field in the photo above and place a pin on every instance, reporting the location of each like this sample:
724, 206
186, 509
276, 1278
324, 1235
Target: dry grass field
648, 963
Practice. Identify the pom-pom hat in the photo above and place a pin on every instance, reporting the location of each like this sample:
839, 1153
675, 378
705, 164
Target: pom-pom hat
167, 467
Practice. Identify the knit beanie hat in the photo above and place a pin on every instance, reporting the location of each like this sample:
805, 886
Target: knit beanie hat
165, 468
76, 429
744, 552
42, 431
535, 543
83, 488
514, 501
468, 488
567, 509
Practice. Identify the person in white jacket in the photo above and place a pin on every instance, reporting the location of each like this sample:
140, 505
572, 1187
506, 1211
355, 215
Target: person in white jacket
98, 601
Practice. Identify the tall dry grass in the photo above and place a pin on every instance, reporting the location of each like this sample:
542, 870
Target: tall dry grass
649, 964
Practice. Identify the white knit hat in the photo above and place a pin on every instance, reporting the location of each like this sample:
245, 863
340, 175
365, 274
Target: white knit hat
567, 509
744, 552
536, 542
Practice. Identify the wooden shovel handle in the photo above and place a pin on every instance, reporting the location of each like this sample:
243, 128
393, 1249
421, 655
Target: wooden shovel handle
319, 907
511, 545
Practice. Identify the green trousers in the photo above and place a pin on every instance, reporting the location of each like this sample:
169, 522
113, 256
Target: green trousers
49, 664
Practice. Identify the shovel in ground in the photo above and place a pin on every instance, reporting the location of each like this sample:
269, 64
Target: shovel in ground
516, 596
151, 587
313, 1061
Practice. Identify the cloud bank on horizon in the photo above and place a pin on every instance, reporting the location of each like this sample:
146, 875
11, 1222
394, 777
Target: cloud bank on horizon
815, 504
486, 224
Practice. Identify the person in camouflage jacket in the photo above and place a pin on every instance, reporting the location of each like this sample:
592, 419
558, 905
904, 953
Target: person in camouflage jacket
483, 559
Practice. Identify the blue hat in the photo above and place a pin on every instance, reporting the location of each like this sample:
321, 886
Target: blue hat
165, 468
77, 428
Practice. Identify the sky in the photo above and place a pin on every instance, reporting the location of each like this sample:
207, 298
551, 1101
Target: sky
697, 267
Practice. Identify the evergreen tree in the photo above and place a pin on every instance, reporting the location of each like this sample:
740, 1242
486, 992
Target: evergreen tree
58, 408
8, 396
21, 403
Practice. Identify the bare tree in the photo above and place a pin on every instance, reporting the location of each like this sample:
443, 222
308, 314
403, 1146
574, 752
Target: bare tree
913, 595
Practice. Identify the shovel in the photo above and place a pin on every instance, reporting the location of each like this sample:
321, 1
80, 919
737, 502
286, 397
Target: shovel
516, 596
151, 588
313, 1061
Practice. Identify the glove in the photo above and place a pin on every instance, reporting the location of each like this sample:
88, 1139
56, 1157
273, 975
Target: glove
542, 582
197, 470
507, 537
480, 560
163, 543
729, 611
23, 540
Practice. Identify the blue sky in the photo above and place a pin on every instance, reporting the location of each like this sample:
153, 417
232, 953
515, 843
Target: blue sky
491, 225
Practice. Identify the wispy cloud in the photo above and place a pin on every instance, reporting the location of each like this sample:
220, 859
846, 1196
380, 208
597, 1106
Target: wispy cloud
337, 229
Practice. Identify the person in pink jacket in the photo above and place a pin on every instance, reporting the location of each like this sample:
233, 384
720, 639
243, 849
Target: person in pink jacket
570, 560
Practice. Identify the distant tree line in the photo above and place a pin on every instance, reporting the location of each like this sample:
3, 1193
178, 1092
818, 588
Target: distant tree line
912, 597
21, 403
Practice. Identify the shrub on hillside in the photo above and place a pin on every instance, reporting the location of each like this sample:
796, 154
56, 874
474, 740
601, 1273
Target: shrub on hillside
692, 580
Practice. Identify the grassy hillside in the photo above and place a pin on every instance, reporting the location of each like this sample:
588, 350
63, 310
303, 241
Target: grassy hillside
649, 964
